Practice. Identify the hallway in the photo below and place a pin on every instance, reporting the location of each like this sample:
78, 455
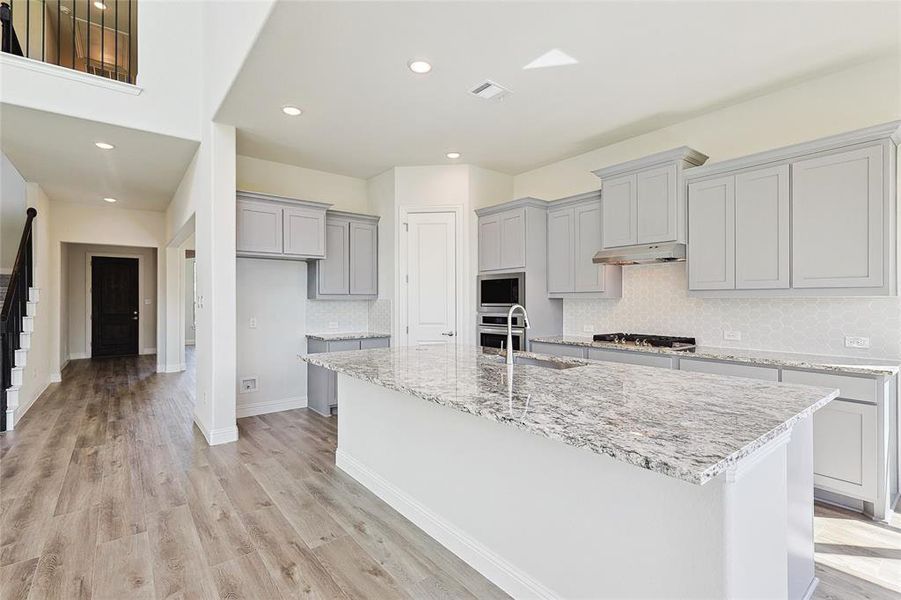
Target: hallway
108, 491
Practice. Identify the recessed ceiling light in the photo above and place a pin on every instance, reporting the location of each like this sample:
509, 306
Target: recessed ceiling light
110, 200
100, 5
291, 111
419, 66
453, 155
104, 145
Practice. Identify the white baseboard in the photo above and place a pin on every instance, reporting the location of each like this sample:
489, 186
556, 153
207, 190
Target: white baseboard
189, 342
250, 409
148, 351
811, 589
6, 271
78, 356
19, 411
178, 368
56, 377
215, 437
498, 570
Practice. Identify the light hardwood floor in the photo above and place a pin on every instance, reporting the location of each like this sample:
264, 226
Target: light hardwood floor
107, 491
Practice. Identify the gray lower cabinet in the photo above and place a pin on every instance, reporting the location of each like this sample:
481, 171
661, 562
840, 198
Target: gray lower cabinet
559, 349
728, 369
350, 269
631, 358
322, 384
270, 226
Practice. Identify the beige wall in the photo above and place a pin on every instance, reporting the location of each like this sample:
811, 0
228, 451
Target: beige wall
76, 295
864, 95
346, 193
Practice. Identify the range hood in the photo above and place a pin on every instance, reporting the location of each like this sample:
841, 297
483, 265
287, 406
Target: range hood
642, 255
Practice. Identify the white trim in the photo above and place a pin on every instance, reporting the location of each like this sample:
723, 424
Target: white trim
88, 333
20, 62
176, 368
250, 409
77, 356
215, 437
189, 342
56, 377
401, 313
148, 351
517, 203
23, 408
498, 570
808, 594
6, 271
682, 153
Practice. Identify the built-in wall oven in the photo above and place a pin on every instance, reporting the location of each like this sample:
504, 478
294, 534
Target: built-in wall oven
492, 331
498, 292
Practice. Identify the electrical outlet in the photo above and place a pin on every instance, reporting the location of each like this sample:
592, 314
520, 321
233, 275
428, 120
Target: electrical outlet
734, 336
148, 301
248, 385
587, 328
853, 341
253, 323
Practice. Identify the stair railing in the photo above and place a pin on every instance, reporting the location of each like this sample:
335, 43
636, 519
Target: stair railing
15, 307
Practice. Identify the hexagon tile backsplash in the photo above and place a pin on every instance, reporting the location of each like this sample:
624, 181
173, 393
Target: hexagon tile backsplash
655, 300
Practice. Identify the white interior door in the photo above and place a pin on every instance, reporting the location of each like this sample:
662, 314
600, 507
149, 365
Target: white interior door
432, 284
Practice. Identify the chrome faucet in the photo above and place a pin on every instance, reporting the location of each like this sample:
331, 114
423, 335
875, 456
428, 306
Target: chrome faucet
525, 317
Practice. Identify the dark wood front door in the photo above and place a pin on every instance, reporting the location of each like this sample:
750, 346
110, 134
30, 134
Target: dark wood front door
114, 306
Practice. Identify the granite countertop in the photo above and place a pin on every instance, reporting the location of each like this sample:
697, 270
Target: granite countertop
691, 426
352, 335
840, 364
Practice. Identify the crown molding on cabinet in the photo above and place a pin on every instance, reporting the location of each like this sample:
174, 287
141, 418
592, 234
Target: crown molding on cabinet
683, 153
884, 131
575, 199
245, 195
518, 203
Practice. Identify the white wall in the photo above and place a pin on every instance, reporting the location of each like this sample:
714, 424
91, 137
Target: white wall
345, 193
863, 95
13, 201
189, 301
75, 295
655, 298
272, 292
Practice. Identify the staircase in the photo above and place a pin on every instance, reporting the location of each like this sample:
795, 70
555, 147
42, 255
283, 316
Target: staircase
18, 300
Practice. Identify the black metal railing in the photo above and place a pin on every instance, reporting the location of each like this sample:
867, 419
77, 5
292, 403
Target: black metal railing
92, 36
15, 306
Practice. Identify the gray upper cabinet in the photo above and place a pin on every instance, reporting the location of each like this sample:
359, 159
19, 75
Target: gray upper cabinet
644, 200
711, 225
259, 227
814, 219
620, 212
304, 231
502, 240
838, 214
364, 274
574, 235
762, 229
276, 227
350, 268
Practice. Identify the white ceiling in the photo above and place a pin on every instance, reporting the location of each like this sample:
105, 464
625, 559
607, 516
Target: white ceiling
643, 65
58, 152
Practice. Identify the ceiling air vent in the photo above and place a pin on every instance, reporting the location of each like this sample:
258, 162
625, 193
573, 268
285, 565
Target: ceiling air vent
489, 90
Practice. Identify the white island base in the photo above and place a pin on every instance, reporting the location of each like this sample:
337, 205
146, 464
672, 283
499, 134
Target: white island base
542, 519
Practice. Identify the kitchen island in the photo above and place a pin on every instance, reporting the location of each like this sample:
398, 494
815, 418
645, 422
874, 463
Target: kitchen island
576, 479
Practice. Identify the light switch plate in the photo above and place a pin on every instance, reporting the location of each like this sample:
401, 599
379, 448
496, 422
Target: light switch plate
253, 323
734, 336
148, 301
854, 341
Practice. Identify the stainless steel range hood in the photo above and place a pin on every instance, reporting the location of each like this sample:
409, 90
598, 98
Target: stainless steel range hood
642, 255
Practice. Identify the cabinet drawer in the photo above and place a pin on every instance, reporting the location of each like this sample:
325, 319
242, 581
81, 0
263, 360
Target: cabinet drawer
632, 358
729, 369
852, 388
342, 345
558, 349
844, 449
368, 343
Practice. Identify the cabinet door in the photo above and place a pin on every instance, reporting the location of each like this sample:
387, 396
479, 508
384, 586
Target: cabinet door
304, 232
368, 343
489, 243
333, 270
631, 358
838, 235
558, 349
513, 239
620, 199
560, 247
259, 226
762, 229
657, 205
711, 234
364, 250
844, 449
589, 277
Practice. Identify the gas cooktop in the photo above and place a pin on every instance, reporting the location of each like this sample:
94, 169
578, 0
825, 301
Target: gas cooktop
642, 339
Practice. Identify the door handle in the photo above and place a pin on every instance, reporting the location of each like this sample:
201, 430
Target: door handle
134, 318
448, 333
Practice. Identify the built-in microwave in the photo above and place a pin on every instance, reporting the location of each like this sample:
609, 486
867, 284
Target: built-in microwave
500, 291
